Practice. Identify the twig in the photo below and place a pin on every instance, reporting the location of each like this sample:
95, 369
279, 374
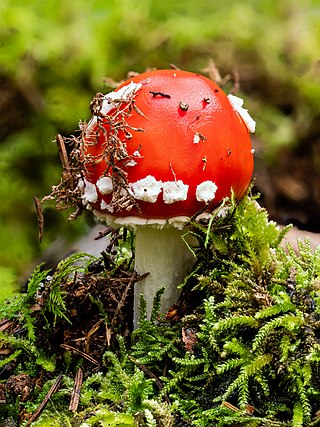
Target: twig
94, 329
124, 295
66, 174
150, 374
48, 396
75, 395
81, 353
134, 278
232, 407
249, 409
5, 324
102, 234
40, 219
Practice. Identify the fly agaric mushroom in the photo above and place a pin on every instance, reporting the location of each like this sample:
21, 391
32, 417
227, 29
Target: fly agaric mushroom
160, 148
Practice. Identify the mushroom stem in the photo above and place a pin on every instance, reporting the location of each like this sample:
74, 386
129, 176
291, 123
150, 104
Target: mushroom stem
166, 257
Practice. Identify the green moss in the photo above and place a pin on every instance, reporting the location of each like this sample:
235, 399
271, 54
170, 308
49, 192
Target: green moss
246, 353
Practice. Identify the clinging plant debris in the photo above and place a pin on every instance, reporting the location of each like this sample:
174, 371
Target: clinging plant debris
75, 162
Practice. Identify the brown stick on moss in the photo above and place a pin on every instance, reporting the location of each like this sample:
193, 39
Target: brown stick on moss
48, 396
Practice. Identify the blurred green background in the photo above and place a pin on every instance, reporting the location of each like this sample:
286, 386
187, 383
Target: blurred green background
54, 56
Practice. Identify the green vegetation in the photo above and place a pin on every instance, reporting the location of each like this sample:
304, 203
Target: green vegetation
55, 54
241, 346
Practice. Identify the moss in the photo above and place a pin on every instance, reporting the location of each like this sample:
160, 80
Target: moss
240, 347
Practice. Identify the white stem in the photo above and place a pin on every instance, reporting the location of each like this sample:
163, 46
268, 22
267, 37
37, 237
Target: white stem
163, 254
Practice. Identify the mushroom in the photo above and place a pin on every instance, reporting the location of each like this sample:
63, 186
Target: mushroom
163, 146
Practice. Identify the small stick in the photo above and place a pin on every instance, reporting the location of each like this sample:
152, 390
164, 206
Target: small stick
66, 173
232, 407
102, 234
40, 219
5, 324
48, 396
63, 155
134, 278
81, 353
94, 329
150, 374
75, 395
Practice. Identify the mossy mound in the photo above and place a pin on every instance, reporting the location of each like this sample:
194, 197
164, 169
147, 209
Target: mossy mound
240, 347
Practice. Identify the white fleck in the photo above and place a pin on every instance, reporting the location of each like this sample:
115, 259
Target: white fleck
198, 137
223, 212
137, 154
237, 104
253, 151
146, 189
174, 191
123, 192
105, 207
131, 163
123, 94
104, 185
80, 185
206, 191
112, 98
90, 194
178, 221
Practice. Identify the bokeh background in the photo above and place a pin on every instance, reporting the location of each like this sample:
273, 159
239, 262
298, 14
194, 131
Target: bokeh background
56, 54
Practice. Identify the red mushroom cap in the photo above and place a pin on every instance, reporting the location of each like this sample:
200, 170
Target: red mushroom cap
163, 145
